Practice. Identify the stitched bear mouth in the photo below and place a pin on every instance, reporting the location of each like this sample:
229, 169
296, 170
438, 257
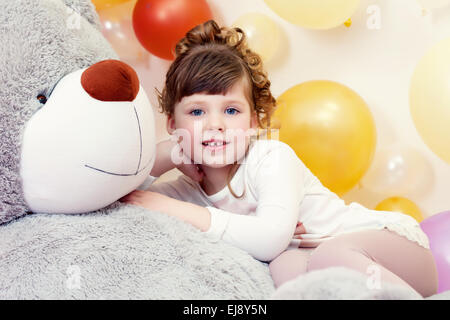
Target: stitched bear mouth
137, 171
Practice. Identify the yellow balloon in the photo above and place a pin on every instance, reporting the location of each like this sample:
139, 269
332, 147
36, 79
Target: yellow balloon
400, 204
262, 33
430, 99
103, 4
331, 129
314, 14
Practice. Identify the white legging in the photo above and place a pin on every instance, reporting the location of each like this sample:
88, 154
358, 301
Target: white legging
400, 260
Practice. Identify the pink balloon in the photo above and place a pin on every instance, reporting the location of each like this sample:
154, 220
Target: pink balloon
437, 228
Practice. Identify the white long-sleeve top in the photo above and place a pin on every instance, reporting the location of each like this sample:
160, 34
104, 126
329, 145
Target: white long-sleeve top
280, 192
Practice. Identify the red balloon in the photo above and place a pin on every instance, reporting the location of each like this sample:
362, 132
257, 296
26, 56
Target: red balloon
160, 24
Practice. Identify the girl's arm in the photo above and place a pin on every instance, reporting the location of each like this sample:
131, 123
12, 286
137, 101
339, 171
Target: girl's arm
168, 151
174, 198
191, 213
278, 179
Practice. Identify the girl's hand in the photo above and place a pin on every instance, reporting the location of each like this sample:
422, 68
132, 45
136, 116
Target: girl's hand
299, 230
146, 199
163, 162
190, 169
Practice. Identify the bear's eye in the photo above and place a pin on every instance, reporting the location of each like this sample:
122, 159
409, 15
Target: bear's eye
42, 99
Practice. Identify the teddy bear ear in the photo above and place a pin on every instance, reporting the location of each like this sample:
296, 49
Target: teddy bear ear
86, 9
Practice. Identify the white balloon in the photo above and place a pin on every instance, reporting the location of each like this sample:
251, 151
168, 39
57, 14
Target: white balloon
117, 27
399, 170
262, 33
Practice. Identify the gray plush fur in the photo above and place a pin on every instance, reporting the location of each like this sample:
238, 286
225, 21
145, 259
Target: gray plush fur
122, 251
340, 283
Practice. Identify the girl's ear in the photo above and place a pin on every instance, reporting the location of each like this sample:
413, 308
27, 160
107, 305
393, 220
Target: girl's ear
170, 124
254, 121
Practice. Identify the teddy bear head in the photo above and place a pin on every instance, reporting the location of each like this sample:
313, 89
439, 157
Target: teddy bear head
77, 129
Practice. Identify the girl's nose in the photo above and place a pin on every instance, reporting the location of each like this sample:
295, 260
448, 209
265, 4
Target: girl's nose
215, 122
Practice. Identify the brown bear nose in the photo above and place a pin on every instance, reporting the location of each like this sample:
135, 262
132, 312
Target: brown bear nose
110, 80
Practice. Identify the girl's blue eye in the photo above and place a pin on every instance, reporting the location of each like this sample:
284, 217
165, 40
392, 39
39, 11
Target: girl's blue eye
232, 109
195, 114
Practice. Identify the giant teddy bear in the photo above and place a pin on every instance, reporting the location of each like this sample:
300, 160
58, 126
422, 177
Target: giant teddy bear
77, 133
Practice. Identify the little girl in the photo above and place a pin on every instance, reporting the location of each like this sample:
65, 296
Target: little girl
255, 193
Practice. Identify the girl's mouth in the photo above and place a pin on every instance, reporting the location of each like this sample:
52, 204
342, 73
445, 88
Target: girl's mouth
215, 145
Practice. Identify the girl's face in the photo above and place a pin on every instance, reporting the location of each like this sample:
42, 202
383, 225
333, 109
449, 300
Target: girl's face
228, 119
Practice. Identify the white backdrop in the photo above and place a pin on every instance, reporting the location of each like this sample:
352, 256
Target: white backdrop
375, 56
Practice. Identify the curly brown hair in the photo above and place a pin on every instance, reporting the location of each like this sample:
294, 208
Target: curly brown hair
212, 59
